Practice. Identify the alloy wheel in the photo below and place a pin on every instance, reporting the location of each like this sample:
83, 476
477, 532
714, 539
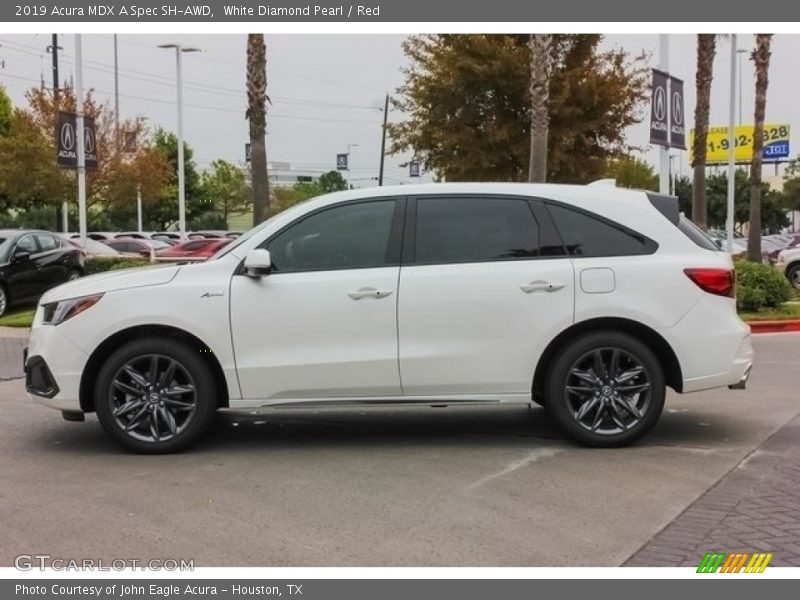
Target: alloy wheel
152, 398
3, 300
608, 391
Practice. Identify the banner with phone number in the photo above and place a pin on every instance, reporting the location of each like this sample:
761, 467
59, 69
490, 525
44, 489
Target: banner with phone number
776, 143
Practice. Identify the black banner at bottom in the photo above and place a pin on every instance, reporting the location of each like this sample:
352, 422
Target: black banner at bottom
733, 587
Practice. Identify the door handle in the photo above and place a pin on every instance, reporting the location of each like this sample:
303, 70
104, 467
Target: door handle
368, 292
541, 286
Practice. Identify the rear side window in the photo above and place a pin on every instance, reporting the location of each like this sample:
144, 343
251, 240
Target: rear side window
697, 235
474, 229
587, 235
47, 242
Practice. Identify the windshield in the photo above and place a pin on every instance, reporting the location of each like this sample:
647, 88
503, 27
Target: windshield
242, 238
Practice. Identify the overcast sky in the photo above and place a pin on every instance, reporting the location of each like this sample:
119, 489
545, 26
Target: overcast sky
327, 90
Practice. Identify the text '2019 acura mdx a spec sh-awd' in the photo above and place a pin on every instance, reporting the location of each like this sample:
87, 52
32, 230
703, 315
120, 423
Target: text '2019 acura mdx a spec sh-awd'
587, 300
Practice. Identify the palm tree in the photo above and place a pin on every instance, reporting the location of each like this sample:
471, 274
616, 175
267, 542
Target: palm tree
541, 66
257, 115
760, 57
706, 50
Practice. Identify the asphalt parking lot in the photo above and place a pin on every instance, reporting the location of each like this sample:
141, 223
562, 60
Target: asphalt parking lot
413, 487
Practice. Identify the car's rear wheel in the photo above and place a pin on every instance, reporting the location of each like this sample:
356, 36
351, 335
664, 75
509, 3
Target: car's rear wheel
606, 389
73, 275
793, 274
3, 300
155, 396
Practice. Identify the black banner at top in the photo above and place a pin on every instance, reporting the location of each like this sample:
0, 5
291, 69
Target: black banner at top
441, 11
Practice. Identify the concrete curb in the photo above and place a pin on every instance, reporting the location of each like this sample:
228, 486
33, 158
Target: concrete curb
774, 326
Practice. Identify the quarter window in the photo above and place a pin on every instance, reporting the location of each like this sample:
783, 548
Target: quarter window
586, 235
350, 236
474, 229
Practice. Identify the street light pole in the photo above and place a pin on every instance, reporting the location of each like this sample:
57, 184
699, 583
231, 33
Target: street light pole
179, 50
731, 149
663, 151
740, 51
81, 139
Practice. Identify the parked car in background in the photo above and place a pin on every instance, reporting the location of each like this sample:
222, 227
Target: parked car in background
233, 234
170, 237
92, 247
788, 261
200, 248
139, 235
590, 301
136, 247
32, 262
100, 236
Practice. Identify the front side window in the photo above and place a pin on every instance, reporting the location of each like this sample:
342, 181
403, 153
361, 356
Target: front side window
350, 236
474, 229
27, 244
586, 235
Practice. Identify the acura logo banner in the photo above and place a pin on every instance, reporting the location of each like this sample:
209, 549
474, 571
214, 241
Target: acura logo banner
677, 121
67, 141
659, 110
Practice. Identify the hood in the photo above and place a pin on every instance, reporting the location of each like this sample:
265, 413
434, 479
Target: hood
112, 281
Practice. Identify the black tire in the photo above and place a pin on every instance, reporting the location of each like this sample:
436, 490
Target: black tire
5, 300
604, 411
74, 274
114, 387
793, 275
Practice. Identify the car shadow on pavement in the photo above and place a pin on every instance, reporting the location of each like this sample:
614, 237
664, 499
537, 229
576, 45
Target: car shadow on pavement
499, 426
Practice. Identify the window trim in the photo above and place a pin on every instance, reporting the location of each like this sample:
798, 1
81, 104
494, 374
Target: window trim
649, 242
410, 234
393, 247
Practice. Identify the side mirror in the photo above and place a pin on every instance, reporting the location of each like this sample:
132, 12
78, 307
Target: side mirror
258, 263
21, 256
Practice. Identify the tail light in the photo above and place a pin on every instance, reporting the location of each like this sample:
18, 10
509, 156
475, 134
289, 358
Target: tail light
721, 282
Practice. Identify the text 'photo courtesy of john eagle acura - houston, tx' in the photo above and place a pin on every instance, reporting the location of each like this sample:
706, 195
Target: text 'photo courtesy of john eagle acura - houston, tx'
588, 300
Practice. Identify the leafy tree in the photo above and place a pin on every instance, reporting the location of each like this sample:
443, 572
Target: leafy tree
706, 50
773, 206
164, 210
631, 172
332, 181
468, 106
6, 111
225, 189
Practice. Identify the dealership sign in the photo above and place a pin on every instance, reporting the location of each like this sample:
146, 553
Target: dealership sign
667, 116
67, 141
775, 136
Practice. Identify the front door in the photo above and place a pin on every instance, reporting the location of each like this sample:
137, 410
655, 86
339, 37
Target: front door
323, 324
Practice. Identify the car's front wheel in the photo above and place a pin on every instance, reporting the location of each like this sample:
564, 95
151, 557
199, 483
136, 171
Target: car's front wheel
155, 396
793, 275
606, 389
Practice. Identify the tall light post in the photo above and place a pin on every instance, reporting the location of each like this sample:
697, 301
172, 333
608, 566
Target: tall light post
348, 159
179, 50
739, 52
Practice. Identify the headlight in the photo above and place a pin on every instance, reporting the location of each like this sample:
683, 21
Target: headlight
55, 313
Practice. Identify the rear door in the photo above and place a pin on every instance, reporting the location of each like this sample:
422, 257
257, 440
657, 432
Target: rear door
484, 286
52, 262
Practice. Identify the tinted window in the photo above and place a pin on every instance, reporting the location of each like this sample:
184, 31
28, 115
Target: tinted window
27, 244
47, 242
697, 235
586, 235
453, 230
353, 236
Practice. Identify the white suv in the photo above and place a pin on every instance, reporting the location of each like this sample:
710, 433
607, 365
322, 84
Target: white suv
587, 300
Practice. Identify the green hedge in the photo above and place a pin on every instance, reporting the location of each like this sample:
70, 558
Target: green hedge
99, 264
760, 286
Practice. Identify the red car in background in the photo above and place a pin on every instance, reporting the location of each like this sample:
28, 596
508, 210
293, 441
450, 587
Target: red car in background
199, 248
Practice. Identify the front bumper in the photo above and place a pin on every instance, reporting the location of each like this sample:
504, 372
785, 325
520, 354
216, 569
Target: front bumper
53, 368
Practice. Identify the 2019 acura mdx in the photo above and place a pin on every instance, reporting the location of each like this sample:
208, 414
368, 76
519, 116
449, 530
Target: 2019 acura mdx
588, 300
